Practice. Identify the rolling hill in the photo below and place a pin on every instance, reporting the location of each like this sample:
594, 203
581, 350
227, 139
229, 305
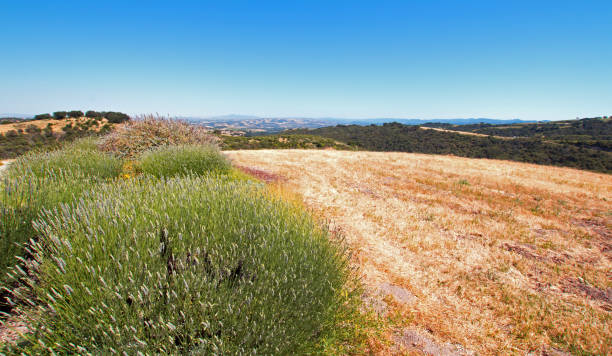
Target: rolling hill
474, 143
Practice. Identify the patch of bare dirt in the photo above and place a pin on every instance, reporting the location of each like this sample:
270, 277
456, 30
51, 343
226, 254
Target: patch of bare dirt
579, 287
261, 174
524, 250
411, 340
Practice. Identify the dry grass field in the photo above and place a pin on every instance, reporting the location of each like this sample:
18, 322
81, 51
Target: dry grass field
465, 256
56, 125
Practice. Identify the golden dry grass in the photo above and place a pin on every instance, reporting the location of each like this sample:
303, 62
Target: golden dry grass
503, 257
56, 125
464, 132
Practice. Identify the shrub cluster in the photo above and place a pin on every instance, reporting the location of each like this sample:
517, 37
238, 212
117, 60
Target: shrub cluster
189, 265
169, 161
58, 115
42, 116
196, 264
38, 181
78, 159
150, 131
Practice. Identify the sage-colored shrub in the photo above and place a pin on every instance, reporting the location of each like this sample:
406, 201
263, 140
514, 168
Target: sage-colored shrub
144, 133
80, 159
43, 180
189, 265
169, 161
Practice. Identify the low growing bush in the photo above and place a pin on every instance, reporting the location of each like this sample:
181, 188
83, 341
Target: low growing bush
80, 161
169, 161
190, 265
22, 198
139, 135
38, 181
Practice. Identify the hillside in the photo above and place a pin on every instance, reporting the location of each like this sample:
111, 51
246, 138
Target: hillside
465, 255
20, 136
594, 133
55, 125
280, 141
403, 138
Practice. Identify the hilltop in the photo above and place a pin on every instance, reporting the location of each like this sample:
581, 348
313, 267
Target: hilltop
463, 256
43, 131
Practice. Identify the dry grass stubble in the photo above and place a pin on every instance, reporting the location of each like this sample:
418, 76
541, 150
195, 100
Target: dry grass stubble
502, 257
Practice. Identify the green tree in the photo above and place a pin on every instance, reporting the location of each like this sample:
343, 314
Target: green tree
60, 115
76, 114
42, 116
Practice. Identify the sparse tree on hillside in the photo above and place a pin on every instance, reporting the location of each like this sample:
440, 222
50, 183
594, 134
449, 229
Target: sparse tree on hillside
32, 129
93, 114
76, 114
42, 116
60, 115
116, 117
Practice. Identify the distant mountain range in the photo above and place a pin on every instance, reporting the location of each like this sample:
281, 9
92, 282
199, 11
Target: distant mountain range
260, 124
21, 116
254, 124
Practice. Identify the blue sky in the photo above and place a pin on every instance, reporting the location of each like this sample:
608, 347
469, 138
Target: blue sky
536, 60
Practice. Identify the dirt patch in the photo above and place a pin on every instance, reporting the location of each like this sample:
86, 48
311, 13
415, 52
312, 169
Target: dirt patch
402, 295
601, 233
548, 351
529, 251
261, 174
579, 287
411, 340
524, 250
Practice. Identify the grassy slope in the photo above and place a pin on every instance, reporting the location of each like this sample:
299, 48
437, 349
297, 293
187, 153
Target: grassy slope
502, 256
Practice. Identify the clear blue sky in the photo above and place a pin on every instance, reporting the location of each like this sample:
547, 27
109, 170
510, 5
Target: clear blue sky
533, 60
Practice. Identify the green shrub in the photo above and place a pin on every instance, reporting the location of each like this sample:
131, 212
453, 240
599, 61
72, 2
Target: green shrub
169, 161
142, 134
85, 162
22, 197
38, 181
190, 265
85, 143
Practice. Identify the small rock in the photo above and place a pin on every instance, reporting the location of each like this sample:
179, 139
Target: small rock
400, 294
412, 340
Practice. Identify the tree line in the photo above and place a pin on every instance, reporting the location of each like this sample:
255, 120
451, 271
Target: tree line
112, 116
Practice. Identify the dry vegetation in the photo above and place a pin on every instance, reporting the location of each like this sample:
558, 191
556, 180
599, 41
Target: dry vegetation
463, 132
465, 255
150, 131
56, 125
